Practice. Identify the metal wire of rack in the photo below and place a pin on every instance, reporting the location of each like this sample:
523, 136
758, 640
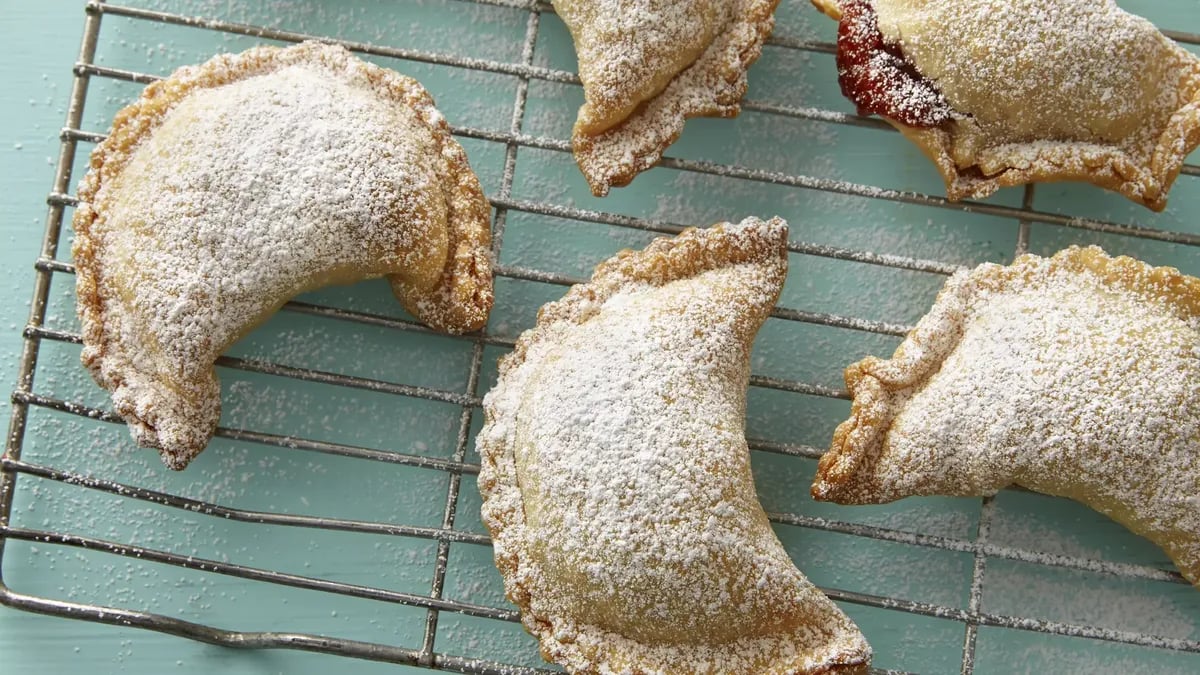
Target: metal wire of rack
25, 397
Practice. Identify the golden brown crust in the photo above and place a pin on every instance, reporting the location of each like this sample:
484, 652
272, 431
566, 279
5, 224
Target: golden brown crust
1110, 168
1141, 166
464, 293
584, 648
664, 260
843, 473
458, 300
713, 86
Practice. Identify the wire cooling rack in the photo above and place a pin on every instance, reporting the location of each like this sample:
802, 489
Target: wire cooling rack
434, 602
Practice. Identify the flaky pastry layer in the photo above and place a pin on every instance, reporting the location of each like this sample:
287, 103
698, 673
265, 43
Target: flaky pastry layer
711, 86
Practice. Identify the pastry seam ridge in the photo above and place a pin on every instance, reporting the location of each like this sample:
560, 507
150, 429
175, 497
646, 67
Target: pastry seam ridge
842, 472
615, 156
667, 259
466, 276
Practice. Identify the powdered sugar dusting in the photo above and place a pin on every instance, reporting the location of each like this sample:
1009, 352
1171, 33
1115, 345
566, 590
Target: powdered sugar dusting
1040, 90
878, 78
629, 50
705, 77
231, 187
616, 476
1027, 69
1075, 376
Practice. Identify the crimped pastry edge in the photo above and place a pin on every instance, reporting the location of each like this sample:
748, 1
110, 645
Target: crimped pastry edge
843, 472
667, 259
466, 283
604, 158
1105, 166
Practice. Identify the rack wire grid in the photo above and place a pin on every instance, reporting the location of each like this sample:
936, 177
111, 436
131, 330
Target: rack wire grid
364, 455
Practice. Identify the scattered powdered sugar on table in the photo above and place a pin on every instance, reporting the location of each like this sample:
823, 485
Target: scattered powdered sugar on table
1017, 530
1034, 654
477, 29
1085, 598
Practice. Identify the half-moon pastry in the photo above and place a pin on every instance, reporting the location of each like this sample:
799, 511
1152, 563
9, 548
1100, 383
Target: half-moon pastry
232, 186
1008, 92
647, 66
616, 477
1076, 376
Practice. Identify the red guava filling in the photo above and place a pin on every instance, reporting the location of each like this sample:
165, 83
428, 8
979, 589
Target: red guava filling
877, 76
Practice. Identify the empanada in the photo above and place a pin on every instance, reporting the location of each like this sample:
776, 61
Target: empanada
616, 477
647, 66
1008, 92
232, 186
1077, 376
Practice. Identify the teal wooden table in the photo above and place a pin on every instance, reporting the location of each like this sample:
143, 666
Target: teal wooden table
1022, 583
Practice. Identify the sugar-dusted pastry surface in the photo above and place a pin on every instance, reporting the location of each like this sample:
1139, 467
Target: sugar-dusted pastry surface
1029, 69
1044, 90
617, 481
649, 65
232, 186
629, 50
1077, 375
